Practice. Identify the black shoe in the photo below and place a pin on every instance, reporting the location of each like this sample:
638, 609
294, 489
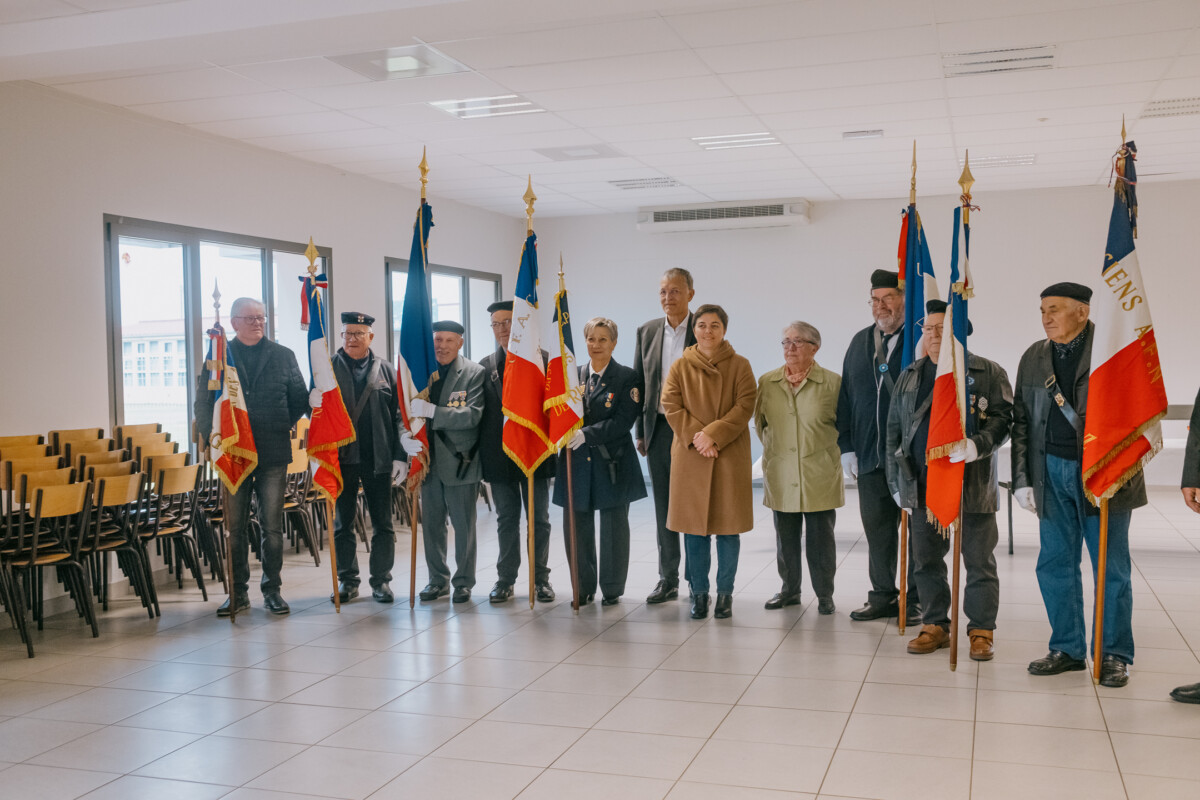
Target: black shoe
780, 600
664, 591
724, 607
1114, 672
383, 594
825, 606
610, 601
700, 605
545, 592
500, 593
912, 615
584, 599
1054, 662
275, 604
433, 591
345, 592
875, 611
241, 603
462, 594
1187, 694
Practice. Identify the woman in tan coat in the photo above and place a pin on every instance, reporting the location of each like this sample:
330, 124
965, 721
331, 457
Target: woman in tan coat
709, 400
796, 418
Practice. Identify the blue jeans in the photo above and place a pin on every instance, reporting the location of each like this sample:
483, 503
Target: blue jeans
1065, 526
699, 560
268, 484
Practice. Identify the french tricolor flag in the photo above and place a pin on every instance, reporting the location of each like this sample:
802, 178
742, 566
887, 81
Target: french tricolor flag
331, 427
235, 456
527, 430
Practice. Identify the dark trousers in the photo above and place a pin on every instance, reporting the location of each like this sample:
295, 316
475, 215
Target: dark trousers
821, 550
508, 496
378, 489
981, 596
439, 499
268, 484
614, 549
881, 521
658, 459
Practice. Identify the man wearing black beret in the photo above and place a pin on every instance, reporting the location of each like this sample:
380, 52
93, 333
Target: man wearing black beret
868, 375
1047, 451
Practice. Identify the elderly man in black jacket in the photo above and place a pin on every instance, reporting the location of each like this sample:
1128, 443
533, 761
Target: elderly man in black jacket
990, 402
509, 485
1191, 496
374, 459
1047, 451
275, 398
868, 375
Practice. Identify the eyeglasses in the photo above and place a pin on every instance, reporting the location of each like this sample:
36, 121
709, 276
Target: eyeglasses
932, 329
886, 299
789, 344
254, 320
504, 323
355, 334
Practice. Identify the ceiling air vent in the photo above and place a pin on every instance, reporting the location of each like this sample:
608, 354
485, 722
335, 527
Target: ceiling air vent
646, 183
581, 152
877, 133
1024, 160
1179, 107
723, 216
1011, 59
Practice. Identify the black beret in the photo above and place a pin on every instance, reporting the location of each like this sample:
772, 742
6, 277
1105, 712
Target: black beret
500, 305
450, 326
885, 279
939, 307
1075, 291
357, 318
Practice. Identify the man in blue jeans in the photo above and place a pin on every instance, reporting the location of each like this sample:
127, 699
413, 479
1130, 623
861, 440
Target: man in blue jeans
1047, 448
276, 398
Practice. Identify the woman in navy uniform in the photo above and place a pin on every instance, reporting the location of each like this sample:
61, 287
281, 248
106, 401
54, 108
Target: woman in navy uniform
605, 474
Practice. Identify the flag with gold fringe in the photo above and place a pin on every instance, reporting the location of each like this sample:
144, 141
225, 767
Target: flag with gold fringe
234, 454
331, 427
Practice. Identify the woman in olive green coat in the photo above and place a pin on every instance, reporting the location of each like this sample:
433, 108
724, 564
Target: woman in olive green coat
795, 418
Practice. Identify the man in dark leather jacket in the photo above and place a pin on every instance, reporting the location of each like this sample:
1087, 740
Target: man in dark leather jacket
374, 459
990, 401
1191, 495
275, 399
1047, 450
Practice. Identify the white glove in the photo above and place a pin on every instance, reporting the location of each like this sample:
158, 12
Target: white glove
411, 446
421, 408
1024, 497
896, 497
314, 398
850, 466
399, 472
577, 441
964, 451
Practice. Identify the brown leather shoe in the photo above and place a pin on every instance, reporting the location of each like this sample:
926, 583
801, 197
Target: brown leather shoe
931, 638
981, 644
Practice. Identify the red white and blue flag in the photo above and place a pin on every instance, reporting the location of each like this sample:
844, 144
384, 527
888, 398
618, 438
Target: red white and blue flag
1126, 395
564, 395
331, 427
527, 430
235, 455
916, 281
416, 362
948, 415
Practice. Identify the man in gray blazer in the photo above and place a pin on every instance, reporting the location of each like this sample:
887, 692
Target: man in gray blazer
454, 409
659, 343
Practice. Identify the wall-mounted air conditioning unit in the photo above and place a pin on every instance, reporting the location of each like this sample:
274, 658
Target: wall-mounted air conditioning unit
723, 216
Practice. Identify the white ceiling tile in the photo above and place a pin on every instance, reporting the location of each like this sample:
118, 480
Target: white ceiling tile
599, 71
565, 137
363, 137
268, 104
783, 20
56, 80
111, 5
299, 73
336, 155
638, 92
318, 122
26, 10
899, 73
1099, 75
1184, 67
1178, 87
1132, 48
679, 130
855, 119
456, 86
657, 112
816, 50
407, 114
914, 92
1132, 94
165, 87
594, 40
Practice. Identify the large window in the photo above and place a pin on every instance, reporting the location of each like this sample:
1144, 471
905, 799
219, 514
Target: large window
461, 295
161, 280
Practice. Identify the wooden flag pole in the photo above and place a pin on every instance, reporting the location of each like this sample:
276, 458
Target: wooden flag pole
902, 600
572, 543
329, 512
412, 562
1101, 569
956, 532
529, 511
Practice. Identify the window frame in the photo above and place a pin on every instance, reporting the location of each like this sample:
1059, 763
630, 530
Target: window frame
394, 265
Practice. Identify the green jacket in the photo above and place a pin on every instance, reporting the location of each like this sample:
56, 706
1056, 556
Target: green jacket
801, 460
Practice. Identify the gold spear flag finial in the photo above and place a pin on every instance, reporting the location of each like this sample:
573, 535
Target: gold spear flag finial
1122, 129
311, 253
424, 167
966, 181
912, 188
530, 198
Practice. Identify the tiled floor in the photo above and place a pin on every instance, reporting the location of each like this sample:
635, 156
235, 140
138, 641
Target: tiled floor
626, 702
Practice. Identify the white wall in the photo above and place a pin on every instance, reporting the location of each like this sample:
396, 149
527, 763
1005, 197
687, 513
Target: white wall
67, 163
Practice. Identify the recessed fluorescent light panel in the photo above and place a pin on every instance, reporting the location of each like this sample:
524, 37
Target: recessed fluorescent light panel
733, 140
1010, 59
503, 105
877, 133
395, 63
1025, 160
646, 183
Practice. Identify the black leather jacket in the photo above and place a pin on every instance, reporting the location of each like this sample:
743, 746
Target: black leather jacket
380, 414
1031, 413
991, 403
